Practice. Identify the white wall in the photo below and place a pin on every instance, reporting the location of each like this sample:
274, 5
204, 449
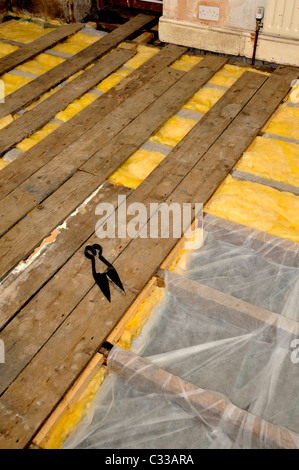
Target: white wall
233, 13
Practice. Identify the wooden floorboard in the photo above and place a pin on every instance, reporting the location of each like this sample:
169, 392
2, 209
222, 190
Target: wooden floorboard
141, 258
55, 317
48, 180
44, 182
28, 51
33, 90
107, 159
22, 168
41, 114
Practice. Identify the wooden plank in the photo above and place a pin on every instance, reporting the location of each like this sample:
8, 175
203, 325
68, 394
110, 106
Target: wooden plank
141, 257
277, 249
20, 241
205, 124
69, 399
164, 105
21, 285
205, 405
140, 130
61, 72
41, 114
22, 168
28, 51
60, 168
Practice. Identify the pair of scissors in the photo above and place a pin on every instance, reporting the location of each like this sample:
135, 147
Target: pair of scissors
110, 274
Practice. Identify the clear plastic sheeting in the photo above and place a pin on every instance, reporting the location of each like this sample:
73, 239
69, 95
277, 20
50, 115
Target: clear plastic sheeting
244, 273
208, 370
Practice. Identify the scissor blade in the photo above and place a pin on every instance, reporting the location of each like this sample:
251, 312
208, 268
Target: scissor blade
112, 274
103, 283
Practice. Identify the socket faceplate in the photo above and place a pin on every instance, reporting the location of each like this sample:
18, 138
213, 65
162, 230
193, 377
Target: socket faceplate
208, 13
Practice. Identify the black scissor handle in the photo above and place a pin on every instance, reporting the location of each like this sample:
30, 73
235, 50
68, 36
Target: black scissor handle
90, 252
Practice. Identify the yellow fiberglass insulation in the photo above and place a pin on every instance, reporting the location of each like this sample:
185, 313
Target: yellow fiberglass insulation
75, 413
258, 206
76, 106
40, 64
6, 49
42, 98
178, 265
3, 163
144, 53
135, 325
22, 31
26, 144
204, 99
273, 159
76, 43
6, 121
293, 96
13, 82
173, 131
229, 74
136, 168
112, 80
186, 62
285, 122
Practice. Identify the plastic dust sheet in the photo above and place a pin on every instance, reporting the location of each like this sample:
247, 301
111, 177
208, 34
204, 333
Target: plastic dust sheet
274, 159
204, 374
258, 206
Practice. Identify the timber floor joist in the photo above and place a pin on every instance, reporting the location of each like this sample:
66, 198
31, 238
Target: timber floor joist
54, 318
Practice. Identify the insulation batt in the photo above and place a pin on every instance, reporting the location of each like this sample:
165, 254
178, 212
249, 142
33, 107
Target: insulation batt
273, 159
229, 74
13, 82
173, 131
293, 96
40, 64
204, 99
257, 206
22, 31
6, 121
112, 80
186, 62
76, 106
26, 144
144, 53
136, 168
285, 122
6, 49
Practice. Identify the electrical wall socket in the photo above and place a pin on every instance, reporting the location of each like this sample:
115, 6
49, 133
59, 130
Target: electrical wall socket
208, 13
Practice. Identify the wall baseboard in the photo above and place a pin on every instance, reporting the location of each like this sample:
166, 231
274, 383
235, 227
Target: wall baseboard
230, 41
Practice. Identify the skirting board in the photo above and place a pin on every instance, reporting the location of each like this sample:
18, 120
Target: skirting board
230, 41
